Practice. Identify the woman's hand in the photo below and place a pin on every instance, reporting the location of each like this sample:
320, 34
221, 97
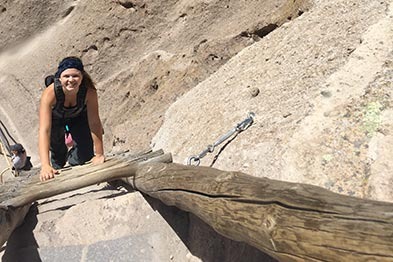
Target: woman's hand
47, 172
98, 159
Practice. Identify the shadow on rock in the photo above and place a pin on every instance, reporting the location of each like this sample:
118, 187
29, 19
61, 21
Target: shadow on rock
203, 241
22, 246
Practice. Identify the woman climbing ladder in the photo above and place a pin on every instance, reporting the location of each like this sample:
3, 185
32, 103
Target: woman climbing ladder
70, 100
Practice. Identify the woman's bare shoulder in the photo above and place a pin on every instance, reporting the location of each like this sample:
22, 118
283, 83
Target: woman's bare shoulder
91, 93
48, 95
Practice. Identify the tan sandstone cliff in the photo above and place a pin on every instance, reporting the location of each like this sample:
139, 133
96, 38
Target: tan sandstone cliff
179, 74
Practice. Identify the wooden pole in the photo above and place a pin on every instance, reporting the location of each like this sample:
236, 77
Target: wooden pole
289, 221
78, 177
16, 200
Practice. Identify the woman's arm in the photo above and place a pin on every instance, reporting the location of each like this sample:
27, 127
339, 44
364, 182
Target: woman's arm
95, 125
45, 124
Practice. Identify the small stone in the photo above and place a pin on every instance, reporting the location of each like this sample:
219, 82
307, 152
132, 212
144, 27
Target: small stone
358, 143
329, 184
326, 93
254, 91
327, 158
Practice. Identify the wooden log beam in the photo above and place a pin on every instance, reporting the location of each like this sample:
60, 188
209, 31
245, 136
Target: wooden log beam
289, 221
16, 197
78, 177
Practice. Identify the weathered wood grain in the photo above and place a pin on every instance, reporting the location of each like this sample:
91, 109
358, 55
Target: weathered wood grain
76, 177
16, 197
291, 222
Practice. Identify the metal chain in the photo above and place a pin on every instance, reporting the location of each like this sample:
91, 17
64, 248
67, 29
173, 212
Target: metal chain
240, 127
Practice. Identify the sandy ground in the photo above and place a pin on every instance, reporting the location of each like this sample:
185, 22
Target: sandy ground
99, 235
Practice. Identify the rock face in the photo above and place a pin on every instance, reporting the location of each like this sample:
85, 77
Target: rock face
177, 75
96, 224
143, 55
322, 112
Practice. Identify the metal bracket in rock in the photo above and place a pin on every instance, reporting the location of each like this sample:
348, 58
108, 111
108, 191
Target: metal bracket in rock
240, 127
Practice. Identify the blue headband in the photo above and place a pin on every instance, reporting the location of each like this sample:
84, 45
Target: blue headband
69, 62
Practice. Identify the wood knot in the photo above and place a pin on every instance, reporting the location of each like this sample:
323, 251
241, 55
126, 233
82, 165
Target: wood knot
225, 177
269, 223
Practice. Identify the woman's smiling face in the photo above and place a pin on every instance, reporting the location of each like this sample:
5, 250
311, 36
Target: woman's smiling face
70, 80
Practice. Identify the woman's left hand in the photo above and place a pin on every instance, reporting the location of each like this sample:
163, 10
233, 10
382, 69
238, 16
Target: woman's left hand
98, 159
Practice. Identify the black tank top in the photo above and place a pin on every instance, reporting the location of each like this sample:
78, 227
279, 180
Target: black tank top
59, 111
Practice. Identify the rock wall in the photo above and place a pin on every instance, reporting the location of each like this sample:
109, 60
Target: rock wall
317, 74
321, 91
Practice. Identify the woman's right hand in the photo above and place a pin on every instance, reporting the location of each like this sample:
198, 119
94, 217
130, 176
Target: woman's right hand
47, 172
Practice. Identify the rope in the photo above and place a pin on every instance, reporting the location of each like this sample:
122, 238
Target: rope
6, 146
5, 149
2, 173
3, 131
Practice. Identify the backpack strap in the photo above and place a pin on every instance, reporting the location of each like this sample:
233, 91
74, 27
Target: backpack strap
49, 80
58, 109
